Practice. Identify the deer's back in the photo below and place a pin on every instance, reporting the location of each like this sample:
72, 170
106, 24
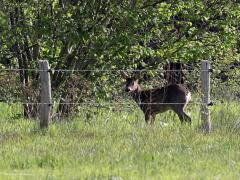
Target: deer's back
161, 99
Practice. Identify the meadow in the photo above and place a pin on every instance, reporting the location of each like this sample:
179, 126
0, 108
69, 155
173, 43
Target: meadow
112, 144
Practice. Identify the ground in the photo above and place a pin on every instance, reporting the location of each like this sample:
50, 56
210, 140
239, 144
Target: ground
119, 145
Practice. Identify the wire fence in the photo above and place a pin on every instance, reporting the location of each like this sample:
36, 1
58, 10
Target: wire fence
190, 71
157, 81
117, 99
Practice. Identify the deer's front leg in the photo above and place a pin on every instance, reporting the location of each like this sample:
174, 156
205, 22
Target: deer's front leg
149, 118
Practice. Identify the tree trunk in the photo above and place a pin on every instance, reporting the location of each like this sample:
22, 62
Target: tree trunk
173, 73
24, 56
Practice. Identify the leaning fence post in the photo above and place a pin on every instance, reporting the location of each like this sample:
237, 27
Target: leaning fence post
205, 112
46, 99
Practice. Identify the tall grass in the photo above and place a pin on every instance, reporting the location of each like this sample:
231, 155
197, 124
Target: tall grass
111, 144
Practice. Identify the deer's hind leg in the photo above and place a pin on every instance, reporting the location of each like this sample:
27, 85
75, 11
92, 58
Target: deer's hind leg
179, 110
187, 118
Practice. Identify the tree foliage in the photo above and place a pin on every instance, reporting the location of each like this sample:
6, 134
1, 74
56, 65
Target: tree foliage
113, 34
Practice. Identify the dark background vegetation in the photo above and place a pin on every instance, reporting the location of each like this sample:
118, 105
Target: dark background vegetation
113, 34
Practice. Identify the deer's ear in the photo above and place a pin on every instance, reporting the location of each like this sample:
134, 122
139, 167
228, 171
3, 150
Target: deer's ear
136, 75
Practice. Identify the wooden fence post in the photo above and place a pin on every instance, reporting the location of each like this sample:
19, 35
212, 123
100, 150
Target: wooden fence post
46, 99
205, 112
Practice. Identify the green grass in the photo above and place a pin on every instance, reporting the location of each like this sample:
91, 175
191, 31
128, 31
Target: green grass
118, 145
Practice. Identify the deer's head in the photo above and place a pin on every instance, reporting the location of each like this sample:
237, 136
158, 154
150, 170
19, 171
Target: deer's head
132, 83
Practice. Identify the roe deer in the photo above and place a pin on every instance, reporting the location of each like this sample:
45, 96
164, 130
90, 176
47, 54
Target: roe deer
153, 101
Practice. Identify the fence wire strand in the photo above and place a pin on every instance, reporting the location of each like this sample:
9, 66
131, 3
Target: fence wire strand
104, 70
96, 104
124, 103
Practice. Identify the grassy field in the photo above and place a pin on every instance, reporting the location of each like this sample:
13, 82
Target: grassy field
118, 145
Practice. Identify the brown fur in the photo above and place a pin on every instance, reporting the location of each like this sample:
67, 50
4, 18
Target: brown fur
153, 101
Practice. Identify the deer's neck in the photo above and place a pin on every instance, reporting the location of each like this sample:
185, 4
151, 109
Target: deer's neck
137, 95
